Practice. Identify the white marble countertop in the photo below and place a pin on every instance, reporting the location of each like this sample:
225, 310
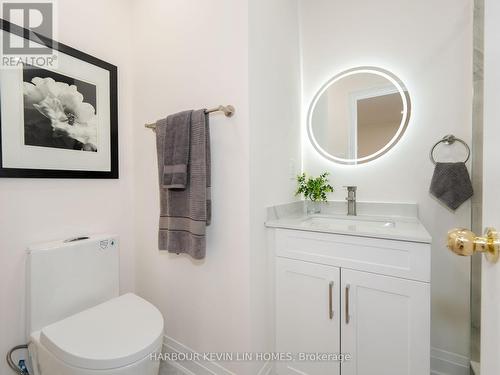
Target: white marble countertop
393, 227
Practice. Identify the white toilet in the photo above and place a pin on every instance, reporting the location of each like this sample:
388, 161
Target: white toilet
77, 322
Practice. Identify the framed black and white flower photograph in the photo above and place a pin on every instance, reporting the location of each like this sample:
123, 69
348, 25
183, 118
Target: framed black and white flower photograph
59, 120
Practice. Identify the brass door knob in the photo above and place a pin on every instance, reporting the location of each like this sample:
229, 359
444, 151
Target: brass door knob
463, 242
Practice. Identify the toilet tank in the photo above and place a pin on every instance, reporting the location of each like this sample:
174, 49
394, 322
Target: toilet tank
68, 276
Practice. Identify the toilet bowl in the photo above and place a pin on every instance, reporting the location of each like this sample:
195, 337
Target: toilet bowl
118, 337
77, 322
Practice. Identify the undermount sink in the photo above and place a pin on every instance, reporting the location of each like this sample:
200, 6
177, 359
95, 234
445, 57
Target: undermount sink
351, 222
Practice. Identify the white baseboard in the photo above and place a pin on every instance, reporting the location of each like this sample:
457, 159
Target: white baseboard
266, 369
192, 367
178, 368
442, 362
476, 367
447, 363
201, 367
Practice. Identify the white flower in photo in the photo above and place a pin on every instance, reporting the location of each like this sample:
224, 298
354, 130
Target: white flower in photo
63, 105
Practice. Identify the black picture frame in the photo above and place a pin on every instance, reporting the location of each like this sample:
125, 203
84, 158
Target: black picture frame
113, 100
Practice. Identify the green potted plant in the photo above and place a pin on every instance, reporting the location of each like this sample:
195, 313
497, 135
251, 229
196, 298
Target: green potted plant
314, 190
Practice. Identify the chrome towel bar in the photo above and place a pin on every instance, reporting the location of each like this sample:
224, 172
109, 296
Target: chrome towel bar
227, 109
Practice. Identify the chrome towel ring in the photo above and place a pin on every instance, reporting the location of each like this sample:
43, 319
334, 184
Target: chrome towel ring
449, 140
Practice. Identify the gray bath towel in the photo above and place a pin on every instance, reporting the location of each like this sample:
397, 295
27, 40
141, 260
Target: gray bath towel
185, 212
176, 150
451, 184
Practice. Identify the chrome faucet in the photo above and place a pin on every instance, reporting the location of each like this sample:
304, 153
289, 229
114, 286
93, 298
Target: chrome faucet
351, 200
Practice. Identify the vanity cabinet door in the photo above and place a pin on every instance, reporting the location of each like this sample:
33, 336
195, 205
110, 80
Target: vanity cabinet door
385, 325
307, 315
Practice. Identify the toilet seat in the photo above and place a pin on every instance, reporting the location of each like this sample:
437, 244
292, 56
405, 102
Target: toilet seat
113, 334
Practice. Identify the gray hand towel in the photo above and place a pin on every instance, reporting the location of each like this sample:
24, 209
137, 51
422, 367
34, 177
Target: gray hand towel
185, 213
451, 184
176, 150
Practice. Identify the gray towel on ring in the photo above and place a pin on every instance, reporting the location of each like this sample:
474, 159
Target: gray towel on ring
186, 212
451, 184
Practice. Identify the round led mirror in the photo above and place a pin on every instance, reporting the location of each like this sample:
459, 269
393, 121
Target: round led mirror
359, 115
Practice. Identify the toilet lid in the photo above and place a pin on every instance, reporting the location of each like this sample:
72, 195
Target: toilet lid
110, 335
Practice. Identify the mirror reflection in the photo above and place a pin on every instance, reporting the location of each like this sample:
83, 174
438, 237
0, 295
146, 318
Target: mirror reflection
359, 115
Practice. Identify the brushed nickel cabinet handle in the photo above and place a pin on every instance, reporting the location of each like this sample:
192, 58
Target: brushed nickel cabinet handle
347, 292
330, 300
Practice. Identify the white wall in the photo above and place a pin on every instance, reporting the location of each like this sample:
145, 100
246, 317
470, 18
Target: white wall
194, 54
40, 210
428, 45
275, 141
